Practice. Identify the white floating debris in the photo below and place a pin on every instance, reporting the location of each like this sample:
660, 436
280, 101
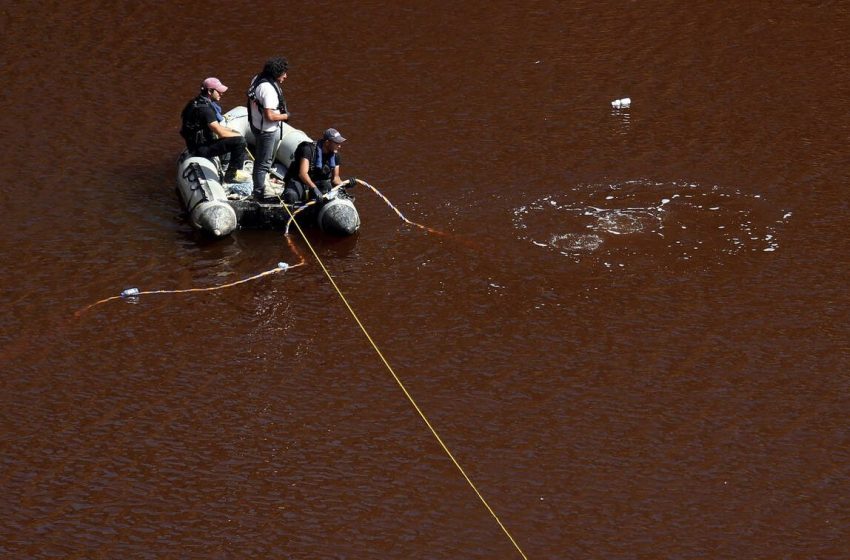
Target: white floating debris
623, 103
609, 197
786, 216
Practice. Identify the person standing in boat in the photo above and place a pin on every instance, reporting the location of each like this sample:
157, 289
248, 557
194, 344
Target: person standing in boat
314, 168
266, 110
204, 134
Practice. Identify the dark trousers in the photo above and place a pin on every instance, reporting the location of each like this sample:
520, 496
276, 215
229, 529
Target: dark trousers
233, 146
296, 191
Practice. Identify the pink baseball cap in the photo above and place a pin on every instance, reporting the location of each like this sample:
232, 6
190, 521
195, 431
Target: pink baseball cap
215, 83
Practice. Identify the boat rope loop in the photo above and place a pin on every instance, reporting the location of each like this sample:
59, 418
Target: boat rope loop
133, 293
396, 210
390, 369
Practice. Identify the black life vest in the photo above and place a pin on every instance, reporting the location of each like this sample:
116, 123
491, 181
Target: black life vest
252, 100
317, 172
194, 130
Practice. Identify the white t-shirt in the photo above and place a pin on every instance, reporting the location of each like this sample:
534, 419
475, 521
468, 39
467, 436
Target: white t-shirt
267, 96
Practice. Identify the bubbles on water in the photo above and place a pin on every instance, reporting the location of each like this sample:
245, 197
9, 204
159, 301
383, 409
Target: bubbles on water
620, 223
574, 242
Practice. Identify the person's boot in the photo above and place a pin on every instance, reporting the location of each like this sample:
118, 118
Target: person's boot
234, 175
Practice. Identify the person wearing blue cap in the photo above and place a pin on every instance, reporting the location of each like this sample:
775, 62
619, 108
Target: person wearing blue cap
314, 169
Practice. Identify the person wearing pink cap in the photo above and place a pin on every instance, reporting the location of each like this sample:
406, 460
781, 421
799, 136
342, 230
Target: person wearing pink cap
205, 136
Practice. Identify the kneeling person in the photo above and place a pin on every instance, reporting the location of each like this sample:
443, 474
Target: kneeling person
205, 135
314, 169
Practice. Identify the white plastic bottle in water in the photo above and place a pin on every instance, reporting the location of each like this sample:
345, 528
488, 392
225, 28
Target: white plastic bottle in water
623, 103
130, 292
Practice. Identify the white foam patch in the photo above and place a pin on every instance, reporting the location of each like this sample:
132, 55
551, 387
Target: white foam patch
617, 222
575, 242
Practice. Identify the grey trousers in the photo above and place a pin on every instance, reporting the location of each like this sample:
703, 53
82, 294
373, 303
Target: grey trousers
264, 156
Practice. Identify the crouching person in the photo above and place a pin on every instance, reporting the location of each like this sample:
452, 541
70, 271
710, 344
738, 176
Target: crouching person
315, 169
205, 136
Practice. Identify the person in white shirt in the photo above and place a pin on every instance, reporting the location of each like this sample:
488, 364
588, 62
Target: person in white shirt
266, 110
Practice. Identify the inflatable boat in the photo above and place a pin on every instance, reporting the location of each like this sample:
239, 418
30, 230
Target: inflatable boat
218, 209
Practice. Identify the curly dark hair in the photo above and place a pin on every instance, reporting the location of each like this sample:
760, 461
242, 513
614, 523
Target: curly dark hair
275, 67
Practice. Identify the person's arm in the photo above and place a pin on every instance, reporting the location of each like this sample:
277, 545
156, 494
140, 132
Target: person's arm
218, 129
304, 173
336, 180
274, 116
269, 100
304, 176
222, 131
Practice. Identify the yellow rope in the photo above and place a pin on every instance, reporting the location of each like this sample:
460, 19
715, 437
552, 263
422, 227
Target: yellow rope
403, 388
356, 318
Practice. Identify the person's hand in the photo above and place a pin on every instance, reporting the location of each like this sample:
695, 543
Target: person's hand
317, 193
351, 183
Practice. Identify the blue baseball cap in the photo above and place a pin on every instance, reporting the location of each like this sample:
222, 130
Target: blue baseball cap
333, 135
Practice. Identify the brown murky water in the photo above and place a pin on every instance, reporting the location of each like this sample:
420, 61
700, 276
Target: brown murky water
634, 338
